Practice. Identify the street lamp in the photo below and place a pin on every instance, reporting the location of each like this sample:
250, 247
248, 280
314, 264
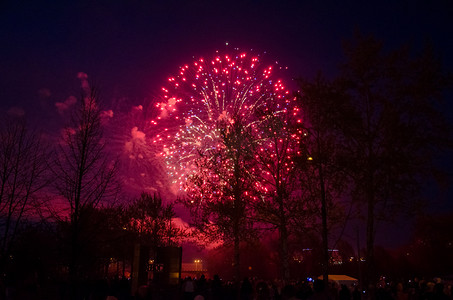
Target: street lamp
197, 263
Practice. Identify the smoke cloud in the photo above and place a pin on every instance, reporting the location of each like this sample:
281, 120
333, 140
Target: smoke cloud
84, 81
16, 111
63, 106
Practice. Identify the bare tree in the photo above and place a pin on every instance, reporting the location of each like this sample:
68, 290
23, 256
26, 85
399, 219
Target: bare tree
394, 129
276, 154
221, 192
152, 222
84, 174
321, 177
22, 176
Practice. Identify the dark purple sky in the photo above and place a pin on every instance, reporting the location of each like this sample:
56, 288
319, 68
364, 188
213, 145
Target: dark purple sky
130, 47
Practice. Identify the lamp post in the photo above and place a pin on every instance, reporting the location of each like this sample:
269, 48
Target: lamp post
197, 264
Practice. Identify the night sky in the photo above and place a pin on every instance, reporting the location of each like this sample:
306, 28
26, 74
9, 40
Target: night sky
129, 48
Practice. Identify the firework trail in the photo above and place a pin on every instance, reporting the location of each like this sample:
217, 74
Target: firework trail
206, 94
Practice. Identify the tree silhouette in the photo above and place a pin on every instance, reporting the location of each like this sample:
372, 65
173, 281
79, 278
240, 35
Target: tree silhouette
84, 174
22, 176
152, 222
220, 194
322, 179
393, 128
276, 154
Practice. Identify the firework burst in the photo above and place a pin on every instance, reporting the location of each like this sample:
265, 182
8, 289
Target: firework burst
208, 94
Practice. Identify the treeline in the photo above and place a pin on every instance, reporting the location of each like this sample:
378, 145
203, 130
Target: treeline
359, 147
61, 215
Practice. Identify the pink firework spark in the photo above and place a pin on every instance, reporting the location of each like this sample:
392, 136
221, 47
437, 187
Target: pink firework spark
206, 93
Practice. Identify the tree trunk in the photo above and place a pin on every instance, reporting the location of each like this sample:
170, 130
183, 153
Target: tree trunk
284, 254
74, 260
325, 242
237, 270
370, 271
359, 267
283, 243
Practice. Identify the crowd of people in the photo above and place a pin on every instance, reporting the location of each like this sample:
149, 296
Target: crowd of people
255, 289
215, 288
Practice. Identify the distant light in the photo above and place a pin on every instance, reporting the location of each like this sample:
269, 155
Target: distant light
310, 158
226, 43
